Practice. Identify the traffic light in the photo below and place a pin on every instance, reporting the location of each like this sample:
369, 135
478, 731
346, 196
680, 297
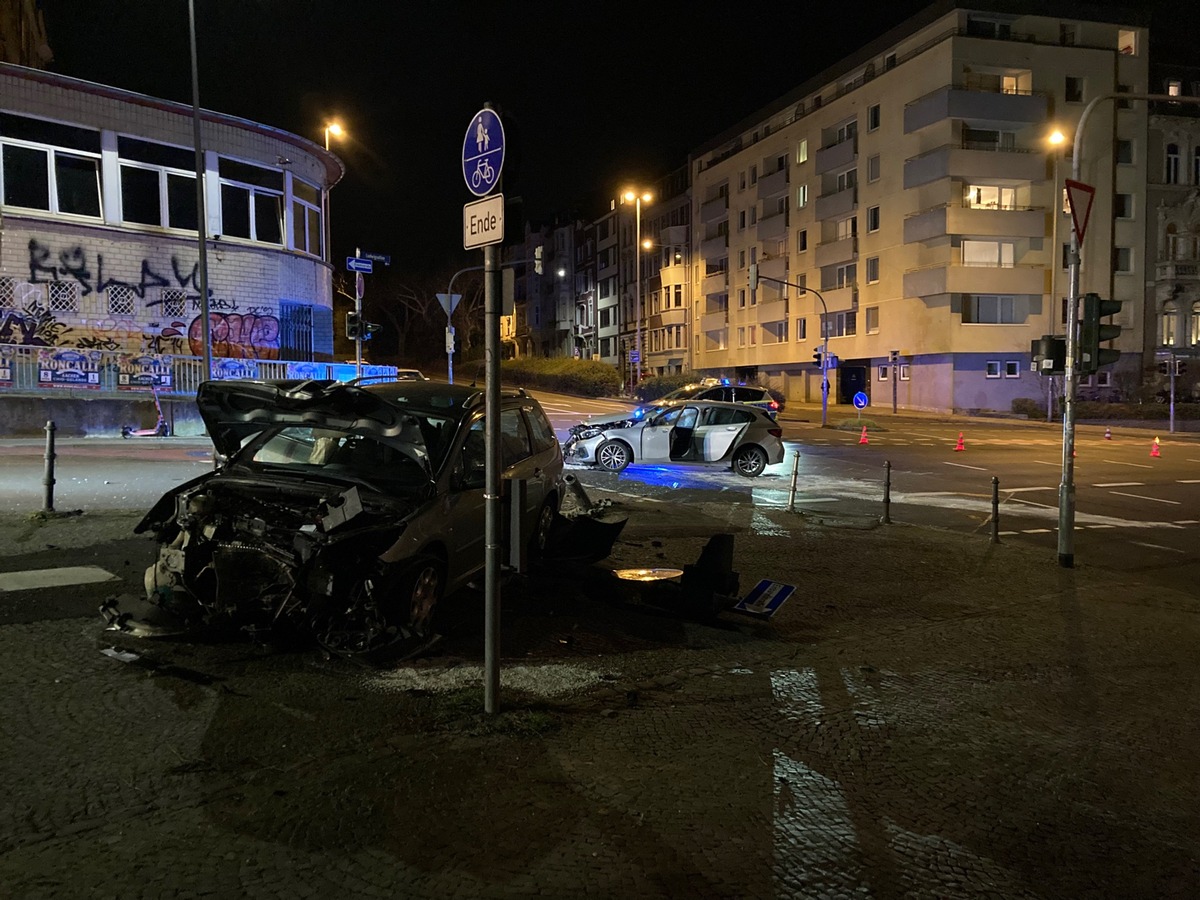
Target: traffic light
1181, 367
1092, 333
753, 277
817, 358
368, 329
1049, 355
353, 331
1164, 368
537, 260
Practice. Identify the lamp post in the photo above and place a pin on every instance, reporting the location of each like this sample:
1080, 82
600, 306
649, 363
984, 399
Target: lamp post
1055, 140
335, 129
636, 198
201, 209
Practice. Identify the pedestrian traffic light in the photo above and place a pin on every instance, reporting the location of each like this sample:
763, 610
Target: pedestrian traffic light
1049, 355
1092, 333
817, 358
753, 277
368, 329
353, 331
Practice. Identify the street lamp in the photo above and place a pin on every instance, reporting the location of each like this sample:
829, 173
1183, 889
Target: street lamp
1055, 140
335, 129
637, 199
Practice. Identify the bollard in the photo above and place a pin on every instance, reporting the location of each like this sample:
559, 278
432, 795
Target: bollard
48, 475
995, 510
887, 492
795, 474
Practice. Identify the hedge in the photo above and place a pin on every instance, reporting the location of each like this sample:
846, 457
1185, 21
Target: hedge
585, 377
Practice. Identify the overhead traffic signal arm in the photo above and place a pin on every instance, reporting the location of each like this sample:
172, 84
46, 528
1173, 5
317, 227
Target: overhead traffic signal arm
1092, 333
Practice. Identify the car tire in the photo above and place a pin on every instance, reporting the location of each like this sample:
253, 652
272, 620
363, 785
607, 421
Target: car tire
539, 541
614, 456
749, 461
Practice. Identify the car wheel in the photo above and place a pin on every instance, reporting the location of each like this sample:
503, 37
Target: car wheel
614, 455
382, 615
749, 461
540, 539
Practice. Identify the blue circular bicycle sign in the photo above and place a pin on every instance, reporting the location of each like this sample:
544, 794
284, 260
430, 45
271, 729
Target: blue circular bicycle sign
483, 152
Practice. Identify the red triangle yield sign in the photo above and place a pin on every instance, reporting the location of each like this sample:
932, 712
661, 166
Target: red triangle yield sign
1079, 198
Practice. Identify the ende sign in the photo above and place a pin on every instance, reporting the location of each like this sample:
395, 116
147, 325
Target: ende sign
483, 222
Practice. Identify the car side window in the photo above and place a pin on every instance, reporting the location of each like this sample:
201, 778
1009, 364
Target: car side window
540, 429
749, 394
514, 438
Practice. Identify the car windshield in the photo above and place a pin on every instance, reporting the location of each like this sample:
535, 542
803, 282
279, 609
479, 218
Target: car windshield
686, 393
397, 464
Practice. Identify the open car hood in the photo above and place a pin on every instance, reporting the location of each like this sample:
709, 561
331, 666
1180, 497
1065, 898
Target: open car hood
236, 409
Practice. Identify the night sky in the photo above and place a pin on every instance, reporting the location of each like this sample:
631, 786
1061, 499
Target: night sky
593, 95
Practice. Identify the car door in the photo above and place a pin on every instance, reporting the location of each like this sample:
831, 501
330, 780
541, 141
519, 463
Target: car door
720, 430
655, 444
683, 448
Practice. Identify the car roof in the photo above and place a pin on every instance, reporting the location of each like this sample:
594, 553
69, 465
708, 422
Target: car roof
720, 404
436, 398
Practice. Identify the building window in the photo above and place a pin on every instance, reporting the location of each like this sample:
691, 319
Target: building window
1127, 42
1124, 152
802, 151
173, 302
72, 189
987, 196
120, 300
872, 320
872, 117
873, 168
1012, 368
1174, 87
847, 180
1169, 324
904, 370
64, 296
847, 227
872, 269
883, 373
775, 332
1073, 89
990, 309
801, 240
845, 276
741, 298
988, 253
741, 336
752, 335
742, 180
802, 196
1172, 173
741, 259
1123, 206
306, 217
754, 174
1122, 259
872, 218
801, 329
251, 202
992, 368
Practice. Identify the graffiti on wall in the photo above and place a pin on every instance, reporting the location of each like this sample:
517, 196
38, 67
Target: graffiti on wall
237, 332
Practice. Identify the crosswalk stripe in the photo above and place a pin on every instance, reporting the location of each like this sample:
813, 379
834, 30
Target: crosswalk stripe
61, 577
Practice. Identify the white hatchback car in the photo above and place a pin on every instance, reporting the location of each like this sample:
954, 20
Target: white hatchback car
685, 432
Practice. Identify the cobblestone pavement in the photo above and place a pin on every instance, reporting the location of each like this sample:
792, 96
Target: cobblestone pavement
929, 715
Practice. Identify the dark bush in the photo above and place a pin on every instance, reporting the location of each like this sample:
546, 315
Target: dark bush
585, 377
1026, 406
657, 385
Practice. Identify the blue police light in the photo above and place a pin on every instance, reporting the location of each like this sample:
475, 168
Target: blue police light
725, 381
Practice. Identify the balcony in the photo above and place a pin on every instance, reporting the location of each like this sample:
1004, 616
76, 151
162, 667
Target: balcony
980, 109
714, 321
673, 235
717, 283
998, 166
840, 251
677, 315
840, 155
714, 210
775, 311
839, 299
945, 278
773, 227
773, 267
836, 205
942, 220
715, 247
773, 185
672, 275
1177, 270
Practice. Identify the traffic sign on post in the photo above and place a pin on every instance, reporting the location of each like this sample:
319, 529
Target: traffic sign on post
483, 152
449, 302
1079, 198
379, 257
483, 222
359, 264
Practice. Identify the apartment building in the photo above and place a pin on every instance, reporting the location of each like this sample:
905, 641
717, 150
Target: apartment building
1173, 231
904, 207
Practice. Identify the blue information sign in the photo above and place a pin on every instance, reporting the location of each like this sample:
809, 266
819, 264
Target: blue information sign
765, 599
483, 152
861, 400
360, 264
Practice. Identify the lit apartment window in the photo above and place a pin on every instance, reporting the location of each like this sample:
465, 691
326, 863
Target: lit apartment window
802, 196
988, 253
1127, 42
987, 196
1169, 323
802, 151
1174, 87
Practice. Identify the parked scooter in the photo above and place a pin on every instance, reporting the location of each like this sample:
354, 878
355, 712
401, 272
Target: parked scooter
160, 429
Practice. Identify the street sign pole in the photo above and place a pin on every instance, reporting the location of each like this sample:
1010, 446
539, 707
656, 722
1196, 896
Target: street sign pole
358, 295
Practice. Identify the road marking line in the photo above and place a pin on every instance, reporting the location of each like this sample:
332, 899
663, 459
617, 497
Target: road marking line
964, 466
1117, 462
1157, 547
1187, 521
1009, 533
1140, 497
1042, 462
1036, 531
1188, 481
1102, 526
42, 578
1121, 484
1024, 489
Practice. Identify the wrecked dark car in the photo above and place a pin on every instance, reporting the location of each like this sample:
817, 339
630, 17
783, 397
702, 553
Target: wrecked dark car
344, 510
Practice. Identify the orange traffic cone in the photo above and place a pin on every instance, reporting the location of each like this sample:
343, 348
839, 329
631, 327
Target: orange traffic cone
959, 446
1108, 434
1154, 449
863, 438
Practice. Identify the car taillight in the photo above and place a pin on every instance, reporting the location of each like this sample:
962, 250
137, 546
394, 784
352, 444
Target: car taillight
775, 432
774, 404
